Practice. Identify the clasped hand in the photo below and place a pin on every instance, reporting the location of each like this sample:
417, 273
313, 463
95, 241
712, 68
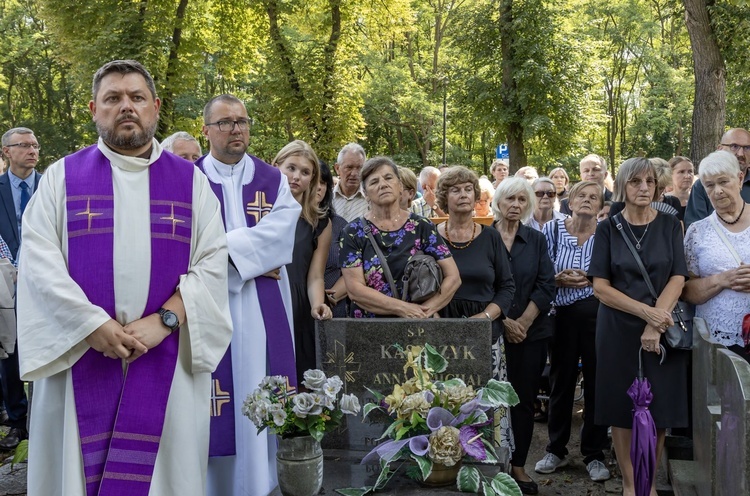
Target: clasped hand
572, 278
515, 332
128, 342
738, 279
657, 318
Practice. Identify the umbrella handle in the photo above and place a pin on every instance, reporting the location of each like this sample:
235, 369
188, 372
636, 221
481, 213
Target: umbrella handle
640, 359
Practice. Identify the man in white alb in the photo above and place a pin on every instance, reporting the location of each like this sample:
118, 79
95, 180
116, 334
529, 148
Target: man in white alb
122, 307
260, 215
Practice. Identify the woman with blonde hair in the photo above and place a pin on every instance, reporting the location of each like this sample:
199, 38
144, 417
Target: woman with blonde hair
299, 163
561, 179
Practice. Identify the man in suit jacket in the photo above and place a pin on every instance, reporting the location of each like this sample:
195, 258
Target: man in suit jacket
21, 151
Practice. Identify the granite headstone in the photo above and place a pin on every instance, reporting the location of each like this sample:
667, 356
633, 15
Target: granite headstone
362, 353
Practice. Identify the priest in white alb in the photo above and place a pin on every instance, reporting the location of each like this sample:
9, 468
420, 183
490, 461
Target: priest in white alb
260, 215
122, 307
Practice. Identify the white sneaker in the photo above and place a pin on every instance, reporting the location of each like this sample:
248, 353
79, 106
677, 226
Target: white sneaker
598, 471
550, 463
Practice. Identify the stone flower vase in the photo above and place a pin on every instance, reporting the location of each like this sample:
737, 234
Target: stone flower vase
299, 465
442, 475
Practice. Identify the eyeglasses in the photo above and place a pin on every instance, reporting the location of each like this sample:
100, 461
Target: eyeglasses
26, 146
734, 147
228, 126
636, 182
548, 194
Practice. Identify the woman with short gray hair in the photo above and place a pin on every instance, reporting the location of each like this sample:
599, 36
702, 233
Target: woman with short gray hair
629, 322
545, 193
527, 327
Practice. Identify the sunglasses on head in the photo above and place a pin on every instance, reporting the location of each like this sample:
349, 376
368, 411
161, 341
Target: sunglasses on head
541, 194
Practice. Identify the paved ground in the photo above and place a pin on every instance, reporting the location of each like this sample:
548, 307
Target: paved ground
12, 478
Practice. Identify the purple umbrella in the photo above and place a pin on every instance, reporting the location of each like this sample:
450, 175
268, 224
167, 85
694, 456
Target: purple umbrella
643, 442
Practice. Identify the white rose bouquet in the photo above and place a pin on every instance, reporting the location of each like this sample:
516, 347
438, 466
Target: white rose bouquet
288, 413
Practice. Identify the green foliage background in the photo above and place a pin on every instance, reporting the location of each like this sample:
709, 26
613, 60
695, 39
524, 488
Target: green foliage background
614, 77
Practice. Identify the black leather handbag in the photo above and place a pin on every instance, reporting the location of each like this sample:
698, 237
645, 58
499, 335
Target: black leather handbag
679, 335
422, 274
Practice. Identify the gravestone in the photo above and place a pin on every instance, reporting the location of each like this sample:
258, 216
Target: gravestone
706, 407
362, 353
733, 436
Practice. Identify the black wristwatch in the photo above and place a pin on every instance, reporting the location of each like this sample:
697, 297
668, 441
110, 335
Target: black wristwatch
169, 319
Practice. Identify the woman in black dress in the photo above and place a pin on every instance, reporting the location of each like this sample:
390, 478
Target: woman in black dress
335, 287
298, 162
628, 317
527, 326
487, 286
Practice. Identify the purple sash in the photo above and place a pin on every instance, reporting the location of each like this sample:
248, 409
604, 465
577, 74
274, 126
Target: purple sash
121, 417
258, 197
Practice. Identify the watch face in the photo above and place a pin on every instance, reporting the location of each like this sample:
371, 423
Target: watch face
169, 319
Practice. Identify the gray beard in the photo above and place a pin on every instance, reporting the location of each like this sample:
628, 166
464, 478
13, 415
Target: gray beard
132, 142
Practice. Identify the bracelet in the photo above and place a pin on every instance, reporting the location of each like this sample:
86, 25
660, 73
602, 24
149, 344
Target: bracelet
488, 315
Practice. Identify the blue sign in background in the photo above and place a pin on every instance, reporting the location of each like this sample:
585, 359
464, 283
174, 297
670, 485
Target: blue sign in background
502, 151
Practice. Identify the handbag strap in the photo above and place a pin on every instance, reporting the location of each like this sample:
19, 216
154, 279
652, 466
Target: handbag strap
618, 223
381, 257
726, 241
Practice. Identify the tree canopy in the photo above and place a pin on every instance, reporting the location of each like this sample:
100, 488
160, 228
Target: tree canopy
555, 80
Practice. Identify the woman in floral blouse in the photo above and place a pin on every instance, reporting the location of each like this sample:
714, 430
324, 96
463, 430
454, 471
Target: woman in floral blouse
399, 234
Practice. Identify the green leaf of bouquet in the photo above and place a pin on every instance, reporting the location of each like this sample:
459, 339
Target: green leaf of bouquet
504, 484
368, 408
355, 491
377, 394
454, 382
316, 434
488, 491
435, 360
490, 451
385, 475
424, 464
497, 393
468, 479
391, 429
402, 432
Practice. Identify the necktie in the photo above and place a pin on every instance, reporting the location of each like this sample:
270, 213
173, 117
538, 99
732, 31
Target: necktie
25, 195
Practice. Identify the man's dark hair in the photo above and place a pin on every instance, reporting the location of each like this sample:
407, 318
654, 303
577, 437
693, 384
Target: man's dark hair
122, 67
226, 98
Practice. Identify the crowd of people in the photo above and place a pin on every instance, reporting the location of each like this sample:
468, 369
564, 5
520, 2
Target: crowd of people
141, 276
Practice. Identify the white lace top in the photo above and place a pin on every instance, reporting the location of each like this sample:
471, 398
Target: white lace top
706, 255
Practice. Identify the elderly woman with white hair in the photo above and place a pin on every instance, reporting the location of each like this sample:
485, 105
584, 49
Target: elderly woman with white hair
483, 205
544, 206
717, 250
528, 326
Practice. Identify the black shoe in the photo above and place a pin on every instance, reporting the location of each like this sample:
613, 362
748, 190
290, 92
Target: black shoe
14, 437
527, 487
4, 419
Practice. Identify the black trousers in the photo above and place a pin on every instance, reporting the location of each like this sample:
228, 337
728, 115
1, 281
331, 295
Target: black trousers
526, 361
574, 339
13, 392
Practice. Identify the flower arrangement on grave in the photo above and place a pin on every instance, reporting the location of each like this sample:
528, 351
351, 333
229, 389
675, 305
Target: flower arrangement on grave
438, 424
288, 413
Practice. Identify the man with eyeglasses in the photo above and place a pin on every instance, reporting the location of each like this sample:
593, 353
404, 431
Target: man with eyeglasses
592, 167
122, 306
737, 142
348, 198
260, 215
21, 149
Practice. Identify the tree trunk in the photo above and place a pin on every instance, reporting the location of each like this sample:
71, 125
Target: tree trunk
167, 97
515, 128
709, 107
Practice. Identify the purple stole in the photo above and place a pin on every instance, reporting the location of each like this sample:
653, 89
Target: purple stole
121, 415
258, 196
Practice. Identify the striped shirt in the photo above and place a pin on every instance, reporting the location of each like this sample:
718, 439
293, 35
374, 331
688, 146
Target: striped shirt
565, 253
349, 207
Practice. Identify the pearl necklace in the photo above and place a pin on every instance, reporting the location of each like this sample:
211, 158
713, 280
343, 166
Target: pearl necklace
735, 220
473, 236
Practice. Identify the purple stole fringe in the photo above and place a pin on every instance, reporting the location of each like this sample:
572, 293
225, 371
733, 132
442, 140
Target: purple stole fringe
258, 197
121, 413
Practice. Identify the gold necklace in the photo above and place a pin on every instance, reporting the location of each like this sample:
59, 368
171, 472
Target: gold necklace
473, 236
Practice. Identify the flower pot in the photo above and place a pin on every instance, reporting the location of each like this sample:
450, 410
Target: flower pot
442, 475
299, 466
